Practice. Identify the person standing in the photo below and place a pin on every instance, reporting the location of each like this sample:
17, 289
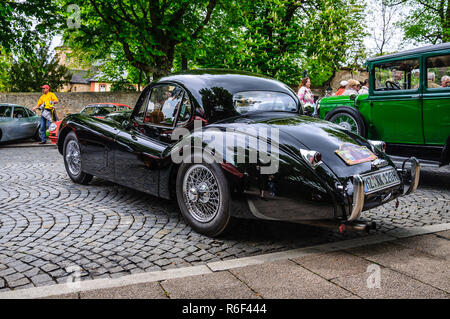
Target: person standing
365, 87
341, 89
305, 94
352, 87
46, 102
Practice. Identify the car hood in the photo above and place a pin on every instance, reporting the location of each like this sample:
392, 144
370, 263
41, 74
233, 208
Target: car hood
305, 132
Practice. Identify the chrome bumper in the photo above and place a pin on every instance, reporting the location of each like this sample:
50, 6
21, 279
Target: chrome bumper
414, 172
358, 186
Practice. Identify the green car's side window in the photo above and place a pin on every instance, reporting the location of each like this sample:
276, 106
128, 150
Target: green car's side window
397, 75
438, 72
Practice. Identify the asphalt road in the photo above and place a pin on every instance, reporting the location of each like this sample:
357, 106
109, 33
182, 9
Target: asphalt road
48, 224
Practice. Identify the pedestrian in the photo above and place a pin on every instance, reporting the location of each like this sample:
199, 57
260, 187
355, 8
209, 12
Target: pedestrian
46, 103
445, 81
351, 88
365, 87
341, 88
305, 94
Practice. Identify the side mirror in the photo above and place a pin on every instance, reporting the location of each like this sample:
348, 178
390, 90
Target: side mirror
126, 124
353, 97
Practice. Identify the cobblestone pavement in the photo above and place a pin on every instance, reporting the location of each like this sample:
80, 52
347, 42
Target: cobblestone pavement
49, 224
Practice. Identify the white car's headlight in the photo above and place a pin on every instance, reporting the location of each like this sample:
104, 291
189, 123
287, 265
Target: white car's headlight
52, 127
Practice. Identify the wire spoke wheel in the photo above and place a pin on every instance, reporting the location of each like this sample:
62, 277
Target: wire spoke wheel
201, 193
347, 122
73, 157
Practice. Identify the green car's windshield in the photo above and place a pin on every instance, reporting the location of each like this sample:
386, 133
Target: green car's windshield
251, 101
5, 111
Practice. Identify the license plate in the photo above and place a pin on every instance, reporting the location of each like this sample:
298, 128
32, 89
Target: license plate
380, 180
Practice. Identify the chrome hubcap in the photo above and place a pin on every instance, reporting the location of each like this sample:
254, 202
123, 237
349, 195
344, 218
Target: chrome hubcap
347, 122
73, 158
201, 193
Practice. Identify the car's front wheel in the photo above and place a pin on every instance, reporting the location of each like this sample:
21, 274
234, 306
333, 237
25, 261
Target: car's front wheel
203, 197
349, 119
72, 160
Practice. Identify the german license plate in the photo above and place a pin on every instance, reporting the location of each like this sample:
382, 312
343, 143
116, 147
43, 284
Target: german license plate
380, 180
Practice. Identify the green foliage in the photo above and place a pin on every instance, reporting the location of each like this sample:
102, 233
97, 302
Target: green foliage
427, 22
5, 64
147, 30
23, 23
32, 70
282, 38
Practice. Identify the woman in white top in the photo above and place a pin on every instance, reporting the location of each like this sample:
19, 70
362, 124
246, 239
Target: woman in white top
305, 94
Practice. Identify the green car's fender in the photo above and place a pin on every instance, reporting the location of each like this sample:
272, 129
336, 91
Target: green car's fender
349, 112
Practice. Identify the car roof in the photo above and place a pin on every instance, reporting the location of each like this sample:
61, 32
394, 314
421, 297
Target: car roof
430, 48
232, 81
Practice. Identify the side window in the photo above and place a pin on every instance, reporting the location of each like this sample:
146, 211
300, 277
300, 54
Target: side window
185, 111
438, 72
29, 112
19, 112
162, 107
397, 75
140, 106
5, 111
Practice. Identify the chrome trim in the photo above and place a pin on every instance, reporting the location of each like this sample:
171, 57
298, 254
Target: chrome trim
378, 145
306, 154
358, 197
415, 174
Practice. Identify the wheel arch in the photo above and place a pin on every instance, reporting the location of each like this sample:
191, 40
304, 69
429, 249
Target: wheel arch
62, 136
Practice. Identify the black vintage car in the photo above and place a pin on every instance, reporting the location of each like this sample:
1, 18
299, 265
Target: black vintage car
233, 144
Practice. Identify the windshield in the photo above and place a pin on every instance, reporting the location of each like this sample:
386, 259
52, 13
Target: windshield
251, 101
5, 111
102, 109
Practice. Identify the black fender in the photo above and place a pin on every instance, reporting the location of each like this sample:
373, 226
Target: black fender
304, 193
352, 111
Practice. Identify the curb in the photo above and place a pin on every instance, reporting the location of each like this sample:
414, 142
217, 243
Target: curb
27, 145
95, 284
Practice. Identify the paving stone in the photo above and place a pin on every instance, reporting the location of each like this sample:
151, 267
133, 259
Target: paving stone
49, 223
392, 285
287, 280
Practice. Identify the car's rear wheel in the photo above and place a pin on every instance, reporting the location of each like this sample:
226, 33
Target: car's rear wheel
203, 197
349, 119
72, 160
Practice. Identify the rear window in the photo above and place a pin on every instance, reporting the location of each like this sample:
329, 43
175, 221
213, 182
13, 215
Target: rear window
255, 101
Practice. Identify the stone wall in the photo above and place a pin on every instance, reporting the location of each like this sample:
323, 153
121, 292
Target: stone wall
71, 102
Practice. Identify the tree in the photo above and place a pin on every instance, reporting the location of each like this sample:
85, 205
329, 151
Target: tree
382, 18
23, 23
428, 21
282, 38
147, 30
30, 71
5, 64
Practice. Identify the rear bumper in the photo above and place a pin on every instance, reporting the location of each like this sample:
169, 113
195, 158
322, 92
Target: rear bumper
409, 175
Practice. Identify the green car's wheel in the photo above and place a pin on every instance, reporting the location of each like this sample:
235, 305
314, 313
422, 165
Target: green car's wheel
348, 119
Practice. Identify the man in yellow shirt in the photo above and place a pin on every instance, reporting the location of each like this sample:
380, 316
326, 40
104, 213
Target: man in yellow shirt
47, 102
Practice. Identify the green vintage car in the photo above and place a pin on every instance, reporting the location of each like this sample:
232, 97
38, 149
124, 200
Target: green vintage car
408, 105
